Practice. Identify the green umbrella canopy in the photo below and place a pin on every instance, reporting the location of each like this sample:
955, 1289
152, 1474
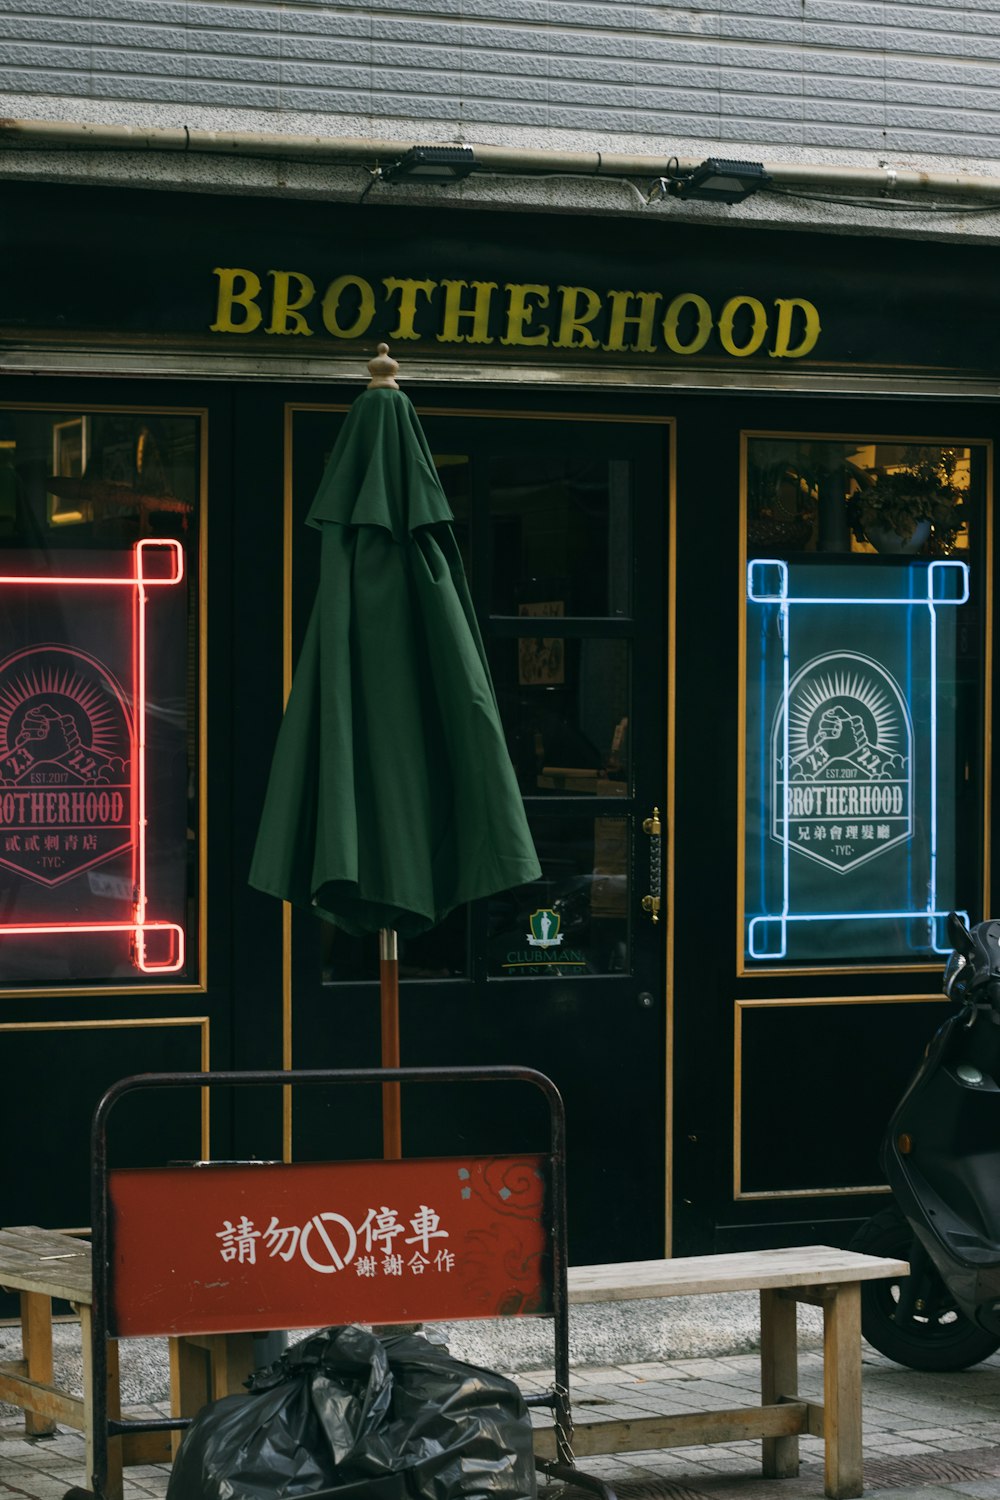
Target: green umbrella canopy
392, 798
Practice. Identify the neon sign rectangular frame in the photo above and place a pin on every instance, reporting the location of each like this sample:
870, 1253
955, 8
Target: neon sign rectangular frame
768, 583
140, 928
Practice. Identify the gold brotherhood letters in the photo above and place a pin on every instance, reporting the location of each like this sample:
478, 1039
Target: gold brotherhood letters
513, 314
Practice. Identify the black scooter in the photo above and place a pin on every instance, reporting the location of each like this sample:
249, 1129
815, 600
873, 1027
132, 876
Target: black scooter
941, 1157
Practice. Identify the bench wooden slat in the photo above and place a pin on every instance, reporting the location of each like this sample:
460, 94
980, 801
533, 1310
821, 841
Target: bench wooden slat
46, 1261
691, 1276
681, 1430
45, 1400
64, 1283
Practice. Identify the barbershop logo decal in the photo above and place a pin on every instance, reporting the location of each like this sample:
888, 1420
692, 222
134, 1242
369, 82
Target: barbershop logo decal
848, 781
65, 783
544, 929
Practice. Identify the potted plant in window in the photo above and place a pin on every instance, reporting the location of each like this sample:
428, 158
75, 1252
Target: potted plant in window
916, 507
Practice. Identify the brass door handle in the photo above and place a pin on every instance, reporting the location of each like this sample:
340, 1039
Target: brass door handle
651, 902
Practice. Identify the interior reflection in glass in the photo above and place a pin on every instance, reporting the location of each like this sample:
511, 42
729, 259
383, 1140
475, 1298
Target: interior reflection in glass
565, 713
818, 495
560, 534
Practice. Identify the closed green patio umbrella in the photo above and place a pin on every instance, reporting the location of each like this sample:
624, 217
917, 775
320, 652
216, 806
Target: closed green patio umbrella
391, 798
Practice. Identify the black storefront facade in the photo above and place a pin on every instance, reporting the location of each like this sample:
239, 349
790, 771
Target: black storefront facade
653, 441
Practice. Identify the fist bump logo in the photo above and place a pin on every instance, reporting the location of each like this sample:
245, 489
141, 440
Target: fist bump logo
65, 764
842, 787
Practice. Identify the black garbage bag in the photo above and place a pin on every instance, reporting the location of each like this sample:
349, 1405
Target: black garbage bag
348, 1414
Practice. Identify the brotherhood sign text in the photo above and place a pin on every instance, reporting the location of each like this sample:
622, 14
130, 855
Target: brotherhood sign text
842, 777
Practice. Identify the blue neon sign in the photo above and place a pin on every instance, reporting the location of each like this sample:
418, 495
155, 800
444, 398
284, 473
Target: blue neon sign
850, 756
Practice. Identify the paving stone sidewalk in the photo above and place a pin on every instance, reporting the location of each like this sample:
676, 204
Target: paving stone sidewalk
925, 1435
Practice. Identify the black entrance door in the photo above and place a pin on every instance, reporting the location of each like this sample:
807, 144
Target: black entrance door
567, 975
818, 868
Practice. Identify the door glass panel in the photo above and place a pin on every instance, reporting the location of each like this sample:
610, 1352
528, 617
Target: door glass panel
99, 734
574, 920
863, 758
438, 954
543, 519
560, 528
564, 704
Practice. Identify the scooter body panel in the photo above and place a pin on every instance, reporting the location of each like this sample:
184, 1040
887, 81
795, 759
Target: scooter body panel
941, 1152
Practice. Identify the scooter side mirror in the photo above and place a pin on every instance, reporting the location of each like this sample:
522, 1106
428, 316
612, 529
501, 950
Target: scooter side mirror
959, 936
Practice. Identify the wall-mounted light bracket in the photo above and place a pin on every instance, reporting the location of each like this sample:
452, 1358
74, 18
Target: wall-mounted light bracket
714, 181
433, 164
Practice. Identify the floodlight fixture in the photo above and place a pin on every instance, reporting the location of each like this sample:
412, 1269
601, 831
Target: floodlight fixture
718, 181
433, 164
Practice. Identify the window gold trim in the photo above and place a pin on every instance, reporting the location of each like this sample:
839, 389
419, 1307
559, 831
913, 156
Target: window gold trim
743, 969
799, 1000
140, 1023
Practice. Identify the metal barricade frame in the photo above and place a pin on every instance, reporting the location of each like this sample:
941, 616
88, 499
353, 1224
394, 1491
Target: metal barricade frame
108, 1306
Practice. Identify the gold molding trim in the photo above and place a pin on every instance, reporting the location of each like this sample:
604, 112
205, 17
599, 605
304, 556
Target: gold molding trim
140, 1023
199, 986
856, 1192
37, 353
985, 445
671, 807
740, 1006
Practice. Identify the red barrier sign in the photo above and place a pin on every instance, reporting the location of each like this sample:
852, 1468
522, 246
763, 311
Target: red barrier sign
243, 1247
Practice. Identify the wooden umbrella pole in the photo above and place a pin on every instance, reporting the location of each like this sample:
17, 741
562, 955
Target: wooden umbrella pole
392, 1124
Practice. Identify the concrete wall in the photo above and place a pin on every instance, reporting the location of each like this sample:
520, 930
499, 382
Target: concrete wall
858, 83
900, 77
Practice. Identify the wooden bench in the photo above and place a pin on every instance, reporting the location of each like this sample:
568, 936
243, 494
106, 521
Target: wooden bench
817, 1275
43, 1265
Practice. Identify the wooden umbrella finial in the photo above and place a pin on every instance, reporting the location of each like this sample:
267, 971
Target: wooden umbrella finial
383, 369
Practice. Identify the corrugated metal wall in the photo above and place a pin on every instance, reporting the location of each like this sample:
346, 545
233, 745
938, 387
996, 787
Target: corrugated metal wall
894, 75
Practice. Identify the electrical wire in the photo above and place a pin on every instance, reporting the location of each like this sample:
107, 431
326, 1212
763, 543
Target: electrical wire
659, 185
893, 205
532, 177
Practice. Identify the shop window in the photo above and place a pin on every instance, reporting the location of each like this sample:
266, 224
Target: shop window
564, 707
863, 795
543, 518
560, 534
99, 679
440, 953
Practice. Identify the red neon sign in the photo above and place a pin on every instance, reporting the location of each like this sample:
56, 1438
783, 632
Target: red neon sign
74, 750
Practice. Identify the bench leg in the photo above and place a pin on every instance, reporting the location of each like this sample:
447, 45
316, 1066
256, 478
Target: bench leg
113, 1488
842, 1392
232, 1361
204, 1368
779, 1376
36, 1347
190, 1382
